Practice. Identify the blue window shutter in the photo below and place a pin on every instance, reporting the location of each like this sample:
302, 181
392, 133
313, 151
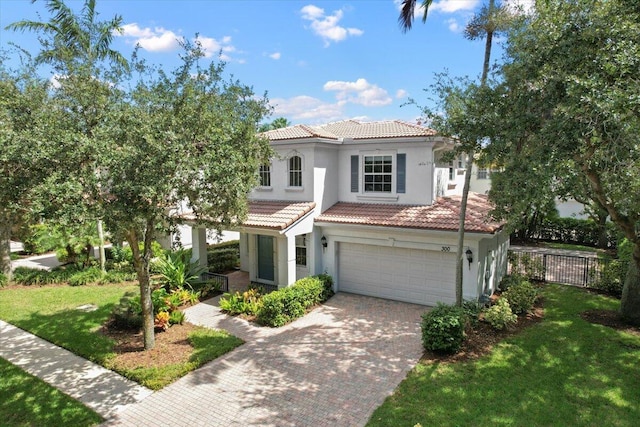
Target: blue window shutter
401, 171
355, 160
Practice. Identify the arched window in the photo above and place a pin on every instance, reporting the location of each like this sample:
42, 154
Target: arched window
295, 171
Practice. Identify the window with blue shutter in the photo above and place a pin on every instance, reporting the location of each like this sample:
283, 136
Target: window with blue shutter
355, 161
401, 171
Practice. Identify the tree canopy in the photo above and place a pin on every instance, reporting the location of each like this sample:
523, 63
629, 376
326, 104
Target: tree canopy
139, 145
567, 110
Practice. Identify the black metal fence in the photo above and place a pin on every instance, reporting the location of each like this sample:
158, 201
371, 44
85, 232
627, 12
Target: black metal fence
567, 269
219, 279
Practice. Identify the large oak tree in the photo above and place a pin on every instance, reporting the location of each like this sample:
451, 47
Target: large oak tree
568, 109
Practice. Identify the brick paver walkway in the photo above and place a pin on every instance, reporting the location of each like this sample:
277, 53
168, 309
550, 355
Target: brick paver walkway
331, 368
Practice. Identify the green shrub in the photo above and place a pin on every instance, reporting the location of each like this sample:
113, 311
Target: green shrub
500, 315
472, 310
287, 304
84, 277
176, 317
177, 270
34, 276
248, 302
223, 257
117, 276
127, 314
521, 297
611, 278
443, 328
272, 312
510, 280
527, 265
3, 280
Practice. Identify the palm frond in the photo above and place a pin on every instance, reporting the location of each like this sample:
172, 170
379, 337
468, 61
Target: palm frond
407, 12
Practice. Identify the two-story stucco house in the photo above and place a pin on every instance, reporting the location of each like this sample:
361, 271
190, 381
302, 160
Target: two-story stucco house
372, 205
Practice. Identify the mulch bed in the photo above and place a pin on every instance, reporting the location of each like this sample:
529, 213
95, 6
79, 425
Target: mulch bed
481, 339
172, 347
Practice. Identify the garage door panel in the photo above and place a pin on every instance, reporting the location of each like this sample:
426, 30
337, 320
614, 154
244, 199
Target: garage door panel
411, 275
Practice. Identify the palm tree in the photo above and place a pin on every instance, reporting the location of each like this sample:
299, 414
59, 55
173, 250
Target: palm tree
81, 40
75, 37
486, 23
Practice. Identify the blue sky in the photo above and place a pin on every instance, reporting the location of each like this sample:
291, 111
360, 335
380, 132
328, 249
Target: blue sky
318, 61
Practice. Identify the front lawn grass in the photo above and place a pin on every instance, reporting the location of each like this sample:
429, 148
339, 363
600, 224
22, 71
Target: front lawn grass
28, 401
51, 312
562, 371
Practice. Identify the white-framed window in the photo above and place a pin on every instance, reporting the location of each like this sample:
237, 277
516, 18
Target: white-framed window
295, 171
378, 174
461, 161
301, 250
265, 175
483, 173
452, 171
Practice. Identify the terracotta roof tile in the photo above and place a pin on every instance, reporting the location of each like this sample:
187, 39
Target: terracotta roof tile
442, 215
276, 214
352, 129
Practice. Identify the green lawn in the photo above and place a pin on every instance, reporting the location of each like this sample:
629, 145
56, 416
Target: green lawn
562, 371
50, 312
28, 401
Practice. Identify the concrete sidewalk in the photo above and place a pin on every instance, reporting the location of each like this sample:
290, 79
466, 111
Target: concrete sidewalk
100, 389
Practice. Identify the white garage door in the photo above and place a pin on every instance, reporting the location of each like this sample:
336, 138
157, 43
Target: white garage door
410, 275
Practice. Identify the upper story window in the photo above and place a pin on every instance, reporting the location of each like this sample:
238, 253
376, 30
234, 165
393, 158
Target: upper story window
265, 175
483, 173
378, 174
295, 171
452, 172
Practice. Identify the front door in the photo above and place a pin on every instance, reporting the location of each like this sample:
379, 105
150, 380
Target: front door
265, 258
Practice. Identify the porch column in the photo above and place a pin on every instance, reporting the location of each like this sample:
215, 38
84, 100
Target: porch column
199, 246
286, 260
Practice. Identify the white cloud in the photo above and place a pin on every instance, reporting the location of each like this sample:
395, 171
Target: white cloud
451, 6
454, 25
359, 92
211, 47
153, 40
307, 109
326, 26
159, 39
401, 93
275, 55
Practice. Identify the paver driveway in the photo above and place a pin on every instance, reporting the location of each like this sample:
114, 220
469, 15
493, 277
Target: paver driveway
331, 368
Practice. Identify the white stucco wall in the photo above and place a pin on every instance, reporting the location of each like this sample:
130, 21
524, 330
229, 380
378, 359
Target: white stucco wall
419, 172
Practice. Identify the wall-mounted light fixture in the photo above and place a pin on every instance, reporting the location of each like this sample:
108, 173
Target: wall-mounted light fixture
469, 255
323, 241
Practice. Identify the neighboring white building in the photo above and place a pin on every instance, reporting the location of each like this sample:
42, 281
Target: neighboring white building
374, 206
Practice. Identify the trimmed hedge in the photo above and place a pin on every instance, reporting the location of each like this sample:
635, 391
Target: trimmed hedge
576, 231
284, 305
223, 256
443, 328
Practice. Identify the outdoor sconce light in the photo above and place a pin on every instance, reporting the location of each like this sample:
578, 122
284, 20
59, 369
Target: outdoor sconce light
323, 240
469, 255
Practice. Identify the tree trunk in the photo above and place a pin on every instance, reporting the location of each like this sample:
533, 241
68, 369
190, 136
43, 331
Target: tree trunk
141, 264
603, 237
630, 301
463, 214
101, 253
5, 245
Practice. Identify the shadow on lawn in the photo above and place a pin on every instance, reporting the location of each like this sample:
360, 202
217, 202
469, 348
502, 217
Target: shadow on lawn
563, 371
75, 330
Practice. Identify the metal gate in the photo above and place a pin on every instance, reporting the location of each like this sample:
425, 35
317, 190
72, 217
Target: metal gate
567, 269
